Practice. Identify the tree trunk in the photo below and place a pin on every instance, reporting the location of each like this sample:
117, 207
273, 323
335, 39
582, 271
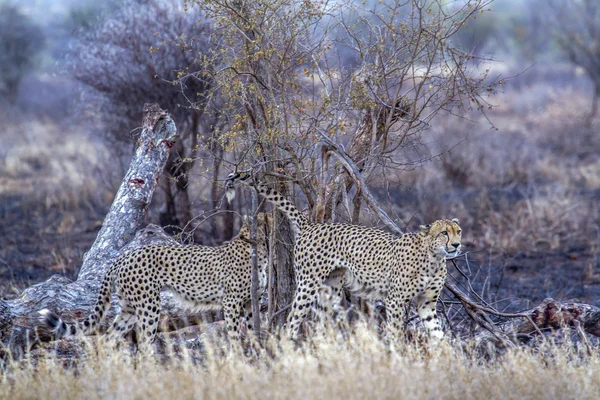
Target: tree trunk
168, 213
19, 325
128, 211
285, 276
179, 165
254, 282
178, 170
222, 225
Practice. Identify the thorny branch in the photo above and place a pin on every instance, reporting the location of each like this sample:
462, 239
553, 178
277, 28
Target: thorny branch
549, 316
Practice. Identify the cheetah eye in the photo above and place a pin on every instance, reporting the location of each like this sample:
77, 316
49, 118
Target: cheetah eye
445, 233
459, 231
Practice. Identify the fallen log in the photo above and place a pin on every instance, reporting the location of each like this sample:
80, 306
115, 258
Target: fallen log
553, 314
520, 328
120, 233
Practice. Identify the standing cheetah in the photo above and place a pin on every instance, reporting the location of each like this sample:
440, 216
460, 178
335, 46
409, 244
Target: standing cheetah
203, 277
377, 265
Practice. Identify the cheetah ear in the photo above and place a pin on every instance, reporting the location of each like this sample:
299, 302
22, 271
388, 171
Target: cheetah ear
455, 220
425, 228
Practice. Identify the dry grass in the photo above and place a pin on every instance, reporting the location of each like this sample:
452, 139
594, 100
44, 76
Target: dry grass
328, 366
531, 185
51, 167
55, 188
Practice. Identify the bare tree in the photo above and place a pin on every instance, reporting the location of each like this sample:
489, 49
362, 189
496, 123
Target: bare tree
302, 82
123, 61
576, 28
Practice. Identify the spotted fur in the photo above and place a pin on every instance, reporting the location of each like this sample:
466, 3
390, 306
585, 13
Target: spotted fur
202, 277
377, 265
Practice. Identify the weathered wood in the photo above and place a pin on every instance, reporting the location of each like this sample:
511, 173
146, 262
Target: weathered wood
127, 213
19, 325
548, 317
553, 314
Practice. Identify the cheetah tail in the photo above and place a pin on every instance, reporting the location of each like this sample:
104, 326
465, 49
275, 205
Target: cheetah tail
90, 323
57, 325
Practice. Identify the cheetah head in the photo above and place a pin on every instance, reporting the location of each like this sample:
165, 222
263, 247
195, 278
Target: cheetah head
263, 221
231, 180
446, 235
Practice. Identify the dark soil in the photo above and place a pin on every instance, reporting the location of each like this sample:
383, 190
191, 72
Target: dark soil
36, 244
521, 281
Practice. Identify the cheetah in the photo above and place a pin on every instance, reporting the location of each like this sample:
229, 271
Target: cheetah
374, 264
202, 277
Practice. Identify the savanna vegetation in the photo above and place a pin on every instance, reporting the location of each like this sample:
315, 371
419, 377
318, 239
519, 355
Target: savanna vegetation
389, 114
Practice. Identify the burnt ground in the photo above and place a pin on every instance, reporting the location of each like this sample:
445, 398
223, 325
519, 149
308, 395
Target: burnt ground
36, 244
518, 281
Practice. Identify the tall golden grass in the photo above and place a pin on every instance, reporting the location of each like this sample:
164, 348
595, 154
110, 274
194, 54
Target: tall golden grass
326, 366
53, 167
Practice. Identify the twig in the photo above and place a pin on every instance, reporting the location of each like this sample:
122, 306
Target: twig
279, 312
361, 185
466, 301
469, 280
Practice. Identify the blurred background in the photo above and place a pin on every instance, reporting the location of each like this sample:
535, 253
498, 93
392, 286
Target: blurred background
524, 179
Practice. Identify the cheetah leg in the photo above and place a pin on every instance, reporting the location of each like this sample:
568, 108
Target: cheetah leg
232, 312
122, 325
426, 308
300, 310
331, 293
125, 321
394, 308
305, 297
147, 314
248, 315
